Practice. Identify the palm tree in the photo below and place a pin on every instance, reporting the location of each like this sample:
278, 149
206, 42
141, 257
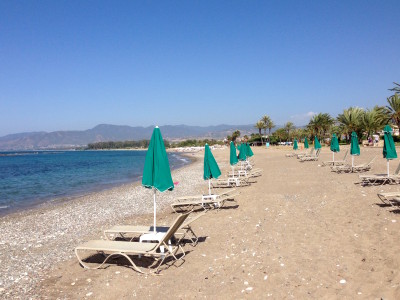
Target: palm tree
235, 135
320, 124
393, 109
374, 119
289, 126
351, 120
269, 123
396, 89
281, 134
260, 125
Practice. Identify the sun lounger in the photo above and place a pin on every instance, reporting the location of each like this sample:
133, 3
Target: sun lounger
380, 179
158, 251
310, 153
392, 198
130, 232
354, 169
312, 157
199, 197
336, 162
253, 173
230, 182
206, 204
293, 154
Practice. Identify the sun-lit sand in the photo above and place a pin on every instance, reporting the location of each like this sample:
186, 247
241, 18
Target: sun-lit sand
299, 231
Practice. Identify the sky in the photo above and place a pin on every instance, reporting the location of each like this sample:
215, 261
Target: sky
71, 65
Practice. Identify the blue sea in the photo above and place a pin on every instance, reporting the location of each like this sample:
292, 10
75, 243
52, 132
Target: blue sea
34, 177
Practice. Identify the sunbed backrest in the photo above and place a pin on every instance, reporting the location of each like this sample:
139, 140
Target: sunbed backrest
345, 155
397, 170
191, 220
174, 227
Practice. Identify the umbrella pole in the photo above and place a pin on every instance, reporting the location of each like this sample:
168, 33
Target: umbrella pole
352, 161
154, 198
209, 186
333, 157
388, 167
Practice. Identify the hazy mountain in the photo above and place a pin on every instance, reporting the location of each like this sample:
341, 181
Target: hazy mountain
104, 132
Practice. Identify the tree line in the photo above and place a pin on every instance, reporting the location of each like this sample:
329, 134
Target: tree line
365, 122
143, 144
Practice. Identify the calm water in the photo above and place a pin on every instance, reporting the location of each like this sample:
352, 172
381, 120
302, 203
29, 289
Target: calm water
30, 178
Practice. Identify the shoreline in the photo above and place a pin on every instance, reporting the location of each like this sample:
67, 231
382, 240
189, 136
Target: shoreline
48, 233
83, 192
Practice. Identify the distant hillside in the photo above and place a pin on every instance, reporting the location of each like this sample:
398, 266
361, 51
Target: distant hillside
104, 133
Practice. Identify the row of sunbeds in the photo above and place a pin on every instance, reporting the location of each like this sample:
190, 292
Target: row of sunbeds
342, 166
147, 257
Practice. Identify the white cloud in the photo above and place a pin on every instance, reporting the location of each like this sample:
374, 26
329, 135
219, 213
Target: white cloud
302, 119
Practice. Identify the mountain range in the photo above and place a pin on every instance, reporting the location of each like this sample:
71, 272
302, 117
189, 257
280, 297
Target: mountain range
106, 132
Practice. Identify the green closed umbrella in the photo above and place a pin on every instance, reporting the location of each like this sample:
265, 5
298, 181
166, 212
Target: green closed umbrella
317, 145
334, 146
389, 149
295, 147
242, 152
211, 169
305, 143
249, 152
156, 172
233, 160
354, 147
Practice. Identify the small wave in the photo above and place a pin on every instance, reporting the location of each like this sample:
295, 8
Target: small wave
4, 207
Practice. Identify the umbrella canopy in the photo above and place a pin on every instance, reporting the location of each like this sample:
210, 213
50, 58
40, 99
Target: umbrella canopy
156, 172
249, 152
305, 143
295, 147
233, 160
389, 149
354, 146
317, 145
242, 152
211, 169
335, 143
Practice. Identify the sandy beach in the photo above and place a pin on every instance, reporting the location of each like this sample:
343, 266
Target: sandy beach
298, 231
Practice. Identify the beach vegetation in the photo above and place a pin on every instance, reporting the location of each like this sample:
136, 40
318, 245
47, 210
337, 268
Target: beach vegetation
268, 124
196, 143
234, 136
142, 144
320, 125
289, 127
393, 108
260, 125
280, 135
351, 120
396, 88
